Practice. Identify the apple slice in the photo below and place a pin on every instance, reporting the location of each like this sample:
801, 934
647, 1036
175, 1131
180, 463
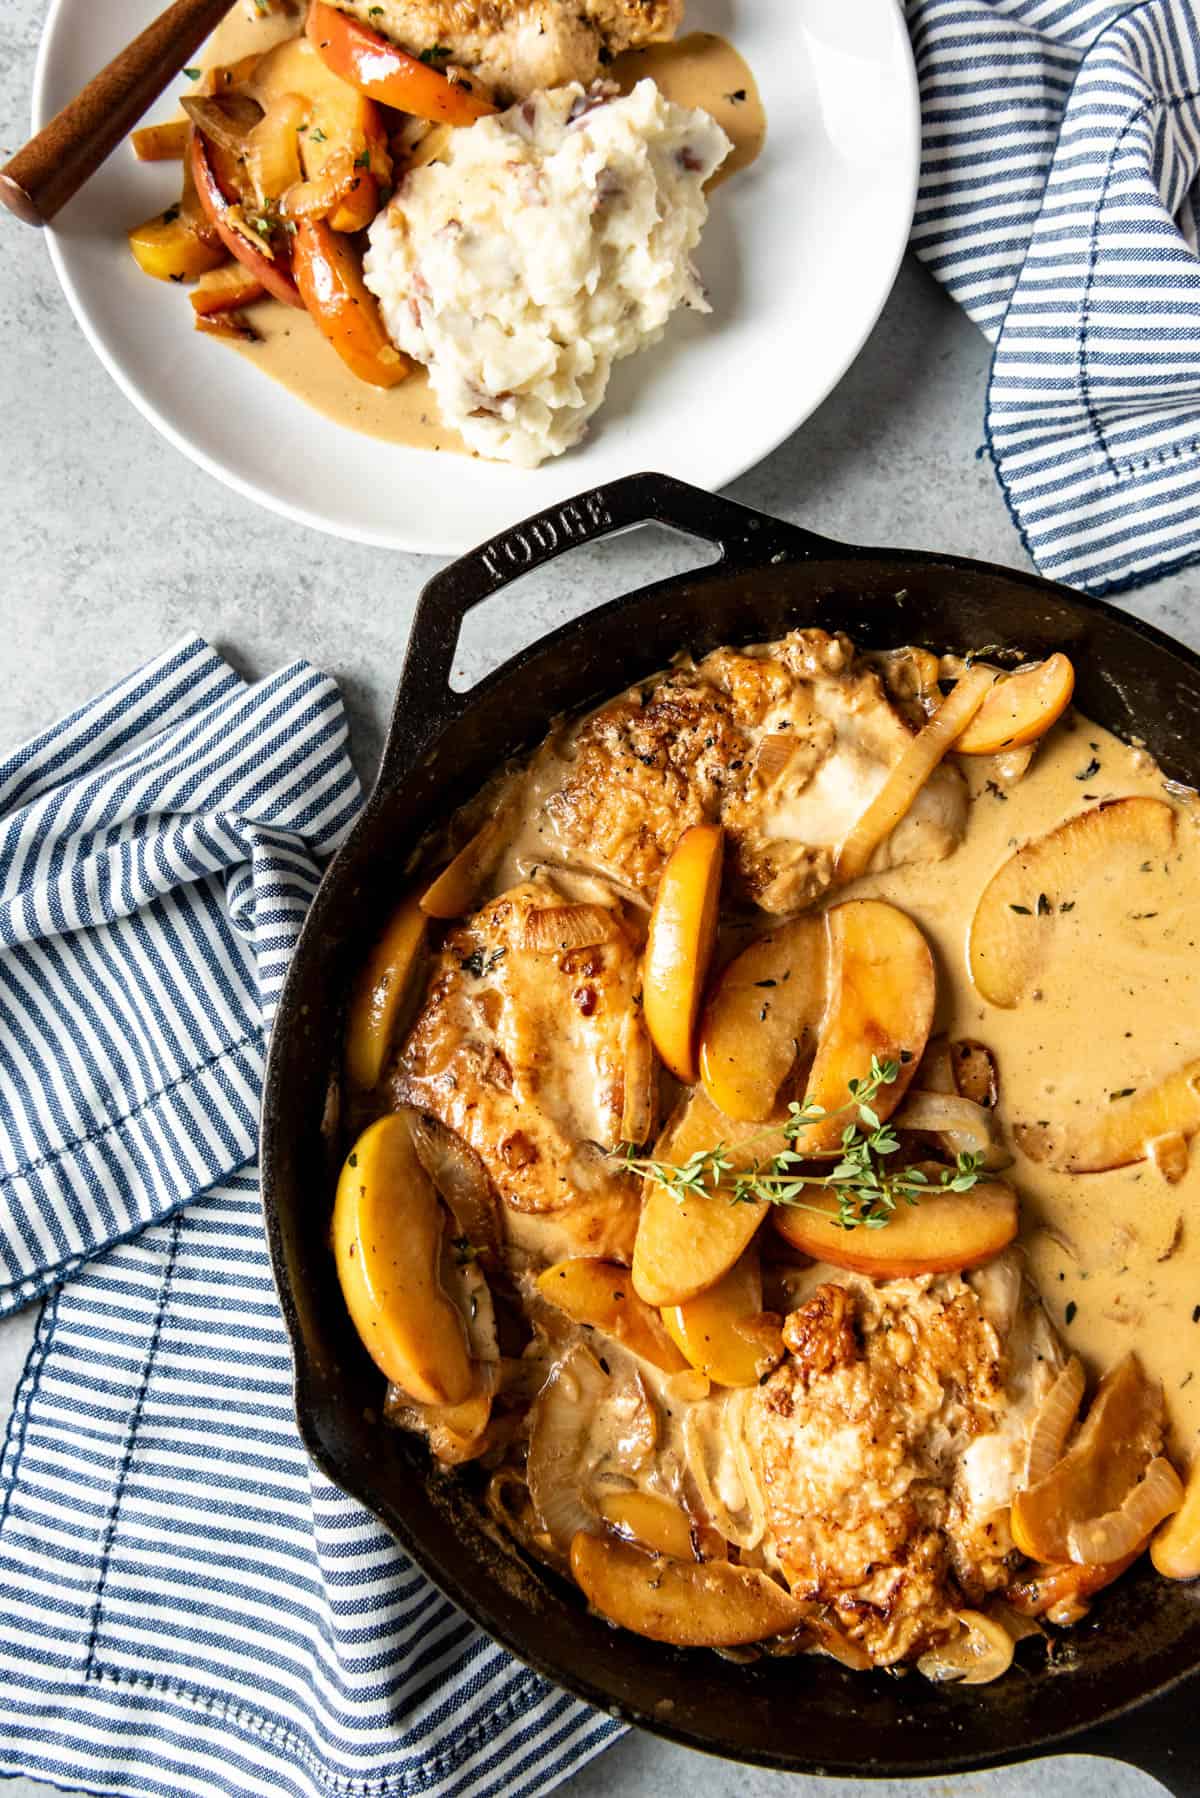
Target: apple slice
161, 143
378, 68
329, 274
387, 1242
601, 1295
1175, 1550
1020, 708
225, 289
723, 1331
1060, 1593
685, 1245
762, 1018
459, 886
679, 945
168, 248
1126, 1130
945, 1233
1014, 920
692, 1604
882, 989
276, 279
384, 984
1111, 1451
654, 1522
917, 762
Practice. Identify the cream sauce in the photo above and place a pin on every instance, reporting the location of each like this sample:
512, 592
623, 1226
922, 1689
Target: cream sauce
1116, 1255
700, 70
704, 70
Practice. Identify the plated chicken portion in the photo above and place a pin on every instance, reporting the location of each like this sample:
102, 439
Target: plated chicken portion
785, 746
519, 46
889, 1444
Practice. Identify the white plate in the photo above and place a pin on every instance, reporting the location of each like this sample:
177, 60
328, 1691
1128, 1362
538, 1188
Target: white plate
799, 256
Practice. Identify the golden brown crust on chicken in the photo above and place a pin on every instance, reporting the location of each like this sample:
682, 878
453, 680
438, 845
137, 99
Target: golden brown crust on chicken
785, 748
861, 1439
518, 1049
518, 46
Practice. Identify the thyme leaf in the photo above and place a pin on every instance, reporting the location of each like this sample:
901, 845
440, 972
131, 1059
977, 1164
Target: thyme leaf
868, 1191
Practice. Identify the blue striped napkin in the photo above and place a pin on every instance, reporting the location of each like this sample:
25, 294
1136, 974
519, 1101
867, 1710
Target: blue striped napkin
1058, 203
189, 1607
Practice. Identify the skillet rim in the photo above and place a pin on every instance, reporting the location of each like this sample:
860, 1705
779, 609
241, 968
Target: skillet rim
421, 721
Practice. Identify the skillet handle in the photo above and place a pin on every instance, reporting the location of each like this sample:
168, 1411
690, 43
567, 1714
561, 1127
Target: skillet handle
425, 703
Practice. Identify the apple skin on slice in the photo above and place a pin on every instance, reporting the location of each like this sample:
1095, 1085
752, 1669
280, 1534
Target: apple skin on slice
692, 1604
1014, 920
387, 1241
945, 1233
1122, 1131
765, 1009
881, 994
1020, 708
685, 1245
679, 946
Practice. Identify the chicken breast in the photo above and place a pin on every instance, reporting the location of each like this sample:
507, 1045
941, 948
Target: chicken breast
786, 747
521, 1047
890, 1441
518, 46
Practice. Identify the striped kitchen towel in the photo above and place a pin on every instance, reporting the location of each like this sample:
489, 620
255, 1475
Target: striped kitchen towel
186, 1605
1058, 203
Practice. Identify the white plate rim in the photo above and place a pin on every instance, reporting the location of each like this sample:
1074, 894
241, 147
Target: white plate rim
348, 531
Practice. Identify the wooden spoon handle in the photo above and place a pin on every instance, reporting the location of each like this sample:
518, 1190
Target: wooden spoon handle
43, 176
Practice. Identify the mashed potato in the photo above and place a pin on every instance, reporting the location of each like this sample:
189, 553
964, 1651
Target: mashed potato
552, 240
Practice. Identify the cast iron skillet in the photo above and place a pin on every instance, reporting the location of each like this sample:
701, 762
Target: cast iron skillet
1124, 1682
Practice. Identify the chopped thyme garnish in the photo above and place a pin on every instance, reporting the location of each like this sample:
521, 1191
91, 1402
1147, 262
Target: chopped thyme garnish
1093, 767
867, 1191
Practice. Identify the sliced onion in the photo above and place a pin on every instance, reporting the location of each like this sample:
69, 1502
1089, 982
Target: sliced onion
981, 1652
775, 752
558, 1441
555, 927
1121, 1532
966, 1126
917, 762
463, 1182
228, 122
725, 1421
641, 1079
1054, 1422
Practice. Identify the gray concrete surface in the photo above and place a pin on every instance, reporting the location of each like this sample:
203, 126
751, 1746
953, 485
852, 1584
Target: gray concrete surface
111, 545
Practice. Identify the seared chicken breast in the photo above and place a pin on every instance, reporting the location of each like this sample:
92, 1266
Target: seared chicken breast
521, 1047
784, 747
889, 1442
518, 46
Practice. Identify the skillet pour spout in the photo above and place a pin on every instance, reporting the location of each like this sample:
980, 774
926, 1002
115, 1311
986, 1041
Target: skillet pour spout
1126, 1682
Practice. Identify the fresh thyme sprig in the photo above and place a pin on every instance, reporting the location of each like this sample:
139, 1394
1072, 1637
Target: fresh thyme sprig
867, 1190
